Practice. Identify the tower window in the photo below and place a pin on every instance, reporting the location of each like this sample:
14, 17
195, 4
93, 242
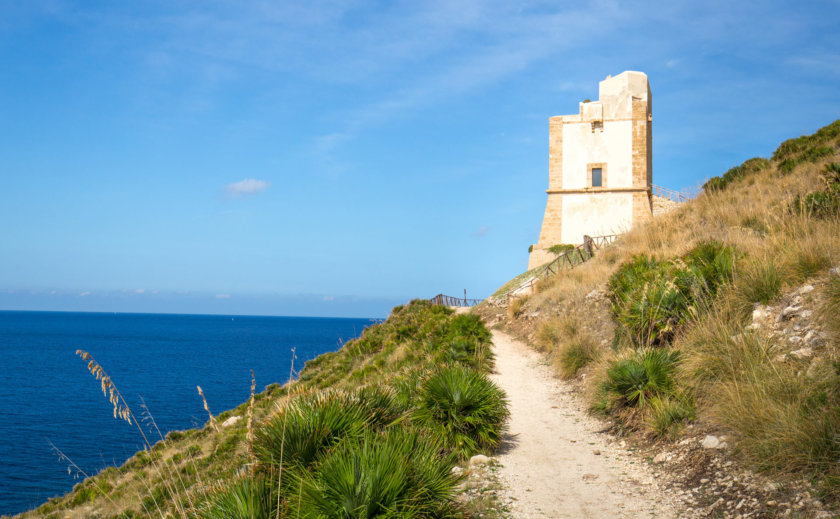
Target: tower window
597, 180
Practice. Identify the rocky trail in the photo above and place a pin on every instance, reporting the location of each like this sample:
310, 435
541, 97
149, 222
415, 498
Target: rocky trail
556, 462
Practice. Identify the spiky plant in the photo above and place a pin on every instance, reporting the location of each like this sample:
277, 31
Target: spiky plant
307, 427
465, 407
252, 496
379, 405
400, 474
634, 380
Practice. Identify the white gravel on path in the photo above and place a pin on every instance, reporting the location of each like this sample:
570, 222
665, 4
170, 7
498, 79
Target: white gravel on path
555, 463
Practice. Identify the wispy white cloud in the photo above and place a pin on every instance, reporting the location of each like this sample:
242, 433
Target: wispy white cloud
248, 186
85, 293
481, 231
222, 296
328, 298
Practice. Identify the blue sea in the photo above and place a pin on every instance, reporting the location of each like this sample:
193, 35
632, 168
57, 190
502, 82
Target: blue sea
47, 394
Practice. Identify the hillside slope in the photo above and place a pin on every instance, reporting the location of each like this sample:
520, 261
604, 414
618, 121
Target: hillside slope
711, 335
372, 429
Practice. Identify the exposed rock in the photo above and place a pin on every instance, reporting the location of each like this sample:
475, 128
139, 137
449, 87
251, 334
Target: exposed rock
802, 353
662, 457
710, 442
806, 289
231, 421
789, 312
479, 459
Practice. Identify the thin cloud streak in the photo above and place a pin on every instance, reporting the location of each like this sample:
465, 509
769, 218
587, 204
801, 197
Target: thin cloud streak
248, 186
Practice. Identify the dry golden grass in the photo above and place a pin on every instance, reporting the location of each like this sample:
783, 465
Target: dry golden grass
785, 416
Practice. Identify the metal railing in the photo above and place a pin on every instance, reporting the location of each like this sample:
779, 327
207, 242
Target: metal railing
569, 259
445, 300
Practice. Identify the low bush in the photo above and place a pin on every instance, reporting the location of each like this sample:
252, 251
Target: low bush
307, 427
748, 168
575, 355
634, 380
801, 147
378, 405
249, 496
560, 248
465, 407
400, 474
819, 204
652, 299
668, 413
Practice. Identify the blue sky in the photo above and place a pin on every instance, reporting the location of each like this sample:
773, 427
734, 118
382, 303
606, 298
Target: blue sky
339, 157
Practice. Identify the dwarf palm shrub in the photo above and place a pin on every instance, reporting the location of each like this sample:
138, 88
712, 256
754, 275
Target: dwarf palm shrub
308, 426
250, 496
400, 474
634, 380
653, 299
468, 326
379, 405
467, 352
465, 407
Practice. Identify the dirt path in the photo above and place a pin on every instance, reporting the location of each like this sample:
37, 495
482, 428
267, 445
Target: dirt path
555, 463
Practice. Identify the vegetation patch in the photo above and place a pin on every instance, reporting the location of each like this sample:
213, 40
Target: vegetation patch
749, 167
652, 299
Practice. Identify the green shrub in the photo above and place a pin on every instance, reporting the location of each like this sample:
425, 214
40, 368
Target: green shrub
406, 386
560, 248
379, 405
250, 496
653, 299
310, 425
400, 474
818, 204
667, 414
794, 148
468, 326
634, 380
467, 409
749, 167
575, 355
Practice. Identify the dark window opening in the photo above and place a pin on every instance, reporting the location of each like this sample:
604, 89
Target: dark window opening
596, 177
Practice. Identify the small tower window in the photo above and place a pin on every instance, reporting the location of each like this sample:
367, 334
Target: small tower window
597, 180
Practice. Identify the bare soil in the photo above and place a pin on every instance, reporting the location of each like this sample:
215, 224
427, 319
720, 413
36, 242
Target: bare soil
557, 461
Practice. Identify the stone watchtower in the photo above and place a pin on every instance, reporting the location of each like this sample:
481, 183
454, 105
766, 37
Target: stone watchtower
599, 166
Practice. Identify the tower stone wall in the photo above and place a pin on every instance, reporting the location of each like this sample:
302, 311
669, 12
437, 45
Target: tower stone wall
611, 139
